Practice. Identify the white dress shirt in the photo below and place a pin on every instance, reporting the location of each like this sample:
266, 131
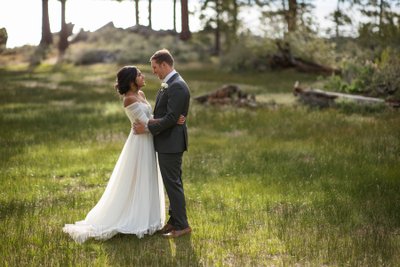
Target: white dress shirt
169, 75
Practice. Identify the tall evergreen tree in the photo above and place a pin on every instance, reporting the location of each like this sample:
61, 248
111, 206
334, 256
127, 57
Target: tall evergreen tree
185, 32
150, 24
137, 12
47, 37
222, 17
382, 17
293, 13
340, 17
174, 8
66, 31
63, 42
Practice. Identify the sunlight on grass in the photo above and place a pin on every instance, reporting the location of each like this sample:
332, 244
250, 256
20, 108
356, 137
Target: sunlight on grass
279, 186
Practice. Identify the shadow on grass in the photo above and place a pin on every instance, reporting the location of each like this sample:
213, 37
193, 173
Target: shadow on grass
128, 250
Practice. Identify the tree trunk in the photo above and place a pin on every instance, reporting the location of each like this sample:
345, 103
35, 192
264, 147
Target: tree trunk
185, 33
47, 38
231, 30
175, 15
234, 17
218, 28
381, 10
150, 26
63, 42
322, 99
137, 12
292, 16
336, 17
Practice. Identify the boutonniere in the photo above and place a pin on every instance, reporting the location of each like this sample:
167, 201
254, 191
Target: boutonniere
164, 86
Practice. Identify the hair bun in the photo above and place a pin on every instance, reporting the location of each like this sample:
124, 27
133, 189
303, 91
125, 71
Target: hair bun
125, 76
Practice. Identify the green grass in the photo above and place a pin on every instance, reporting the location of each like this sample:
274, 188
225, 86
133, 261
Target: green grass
271, 186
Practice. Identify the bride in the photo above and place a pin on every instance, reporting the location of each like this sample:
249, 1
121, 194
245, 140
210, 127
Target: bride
133, 201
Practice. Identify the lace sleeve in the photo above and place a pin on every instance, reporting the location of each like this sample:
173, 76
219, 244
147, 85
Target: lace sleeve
137, 112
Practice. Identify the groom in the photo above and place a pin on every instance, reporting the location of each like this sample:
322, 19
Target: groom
170, 139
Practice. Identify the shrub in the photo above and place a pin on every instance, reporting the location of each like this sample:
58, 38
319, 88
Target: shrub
311, 47
111, 44
253, 53
248, 53
95, 56
386, 79
380, 79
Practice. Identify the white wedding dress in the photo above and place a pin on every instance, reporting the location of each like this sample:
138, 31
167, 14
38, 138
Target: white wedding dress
133, 201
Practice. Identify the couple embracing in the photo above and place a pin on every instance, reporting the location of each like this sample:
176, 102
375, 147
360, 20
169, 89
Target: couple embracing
133, 201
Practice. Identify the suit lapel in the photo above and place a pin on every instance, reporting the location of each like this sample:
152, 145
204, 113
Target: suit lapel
159, 91
172, 78
157, 99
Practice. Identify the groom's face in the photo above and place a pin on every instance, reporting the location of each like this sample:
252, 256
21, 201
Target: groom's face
158, 69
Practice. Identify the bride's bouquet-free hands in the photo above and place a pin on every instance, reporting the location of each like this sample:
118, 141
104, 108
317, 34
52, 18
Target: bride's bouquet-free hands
139, 127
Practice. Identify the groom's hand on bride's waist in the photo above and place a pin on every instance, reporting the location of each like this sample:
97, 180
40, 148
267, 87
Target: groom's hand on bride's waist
139, 127
181, 120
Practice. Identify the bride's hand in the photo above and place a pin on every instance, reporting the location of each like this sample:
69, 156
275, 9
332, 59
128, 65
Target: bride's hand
181, 120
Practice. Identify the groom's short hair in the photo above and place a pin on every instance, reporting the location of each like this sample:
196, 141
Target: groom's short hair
161, 56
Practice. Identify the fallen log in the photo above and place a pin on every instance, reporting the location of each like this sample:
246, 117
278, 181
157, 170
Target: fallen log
319, 98
228, 95
225, 92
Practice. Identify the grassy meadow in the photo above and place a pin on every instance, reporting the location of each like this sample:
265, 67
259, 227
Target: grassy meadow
281, 185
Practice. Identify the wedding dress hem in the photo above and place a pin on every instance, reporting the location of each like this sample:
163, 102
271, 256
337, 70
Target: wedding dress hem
81, 233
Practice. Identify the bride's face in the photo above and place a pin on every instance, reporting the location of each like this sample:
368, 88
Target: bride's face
140, 79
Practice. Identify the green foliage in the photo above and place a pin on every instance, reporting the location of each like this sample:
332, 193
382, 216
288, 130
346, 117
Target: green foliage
3, 39
380, 79
292, 14
125, 47
377, 41
221, 16
38, 55
350, 108
382, 28
253, 53
248, 53
309, 46
386, 79
21, 55
358, 77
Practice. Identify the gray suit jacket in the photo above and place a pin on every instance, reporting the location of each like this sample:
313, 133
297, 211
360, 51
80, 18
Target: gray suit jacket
171, 102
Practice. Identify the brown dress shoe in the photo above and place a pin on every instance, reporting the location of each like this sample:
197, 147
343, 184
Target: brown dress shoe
178, 233
166, 229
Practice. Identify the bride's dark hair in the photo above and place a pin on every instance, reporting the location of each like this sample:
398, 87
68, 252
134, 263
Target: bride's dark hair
125, 76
